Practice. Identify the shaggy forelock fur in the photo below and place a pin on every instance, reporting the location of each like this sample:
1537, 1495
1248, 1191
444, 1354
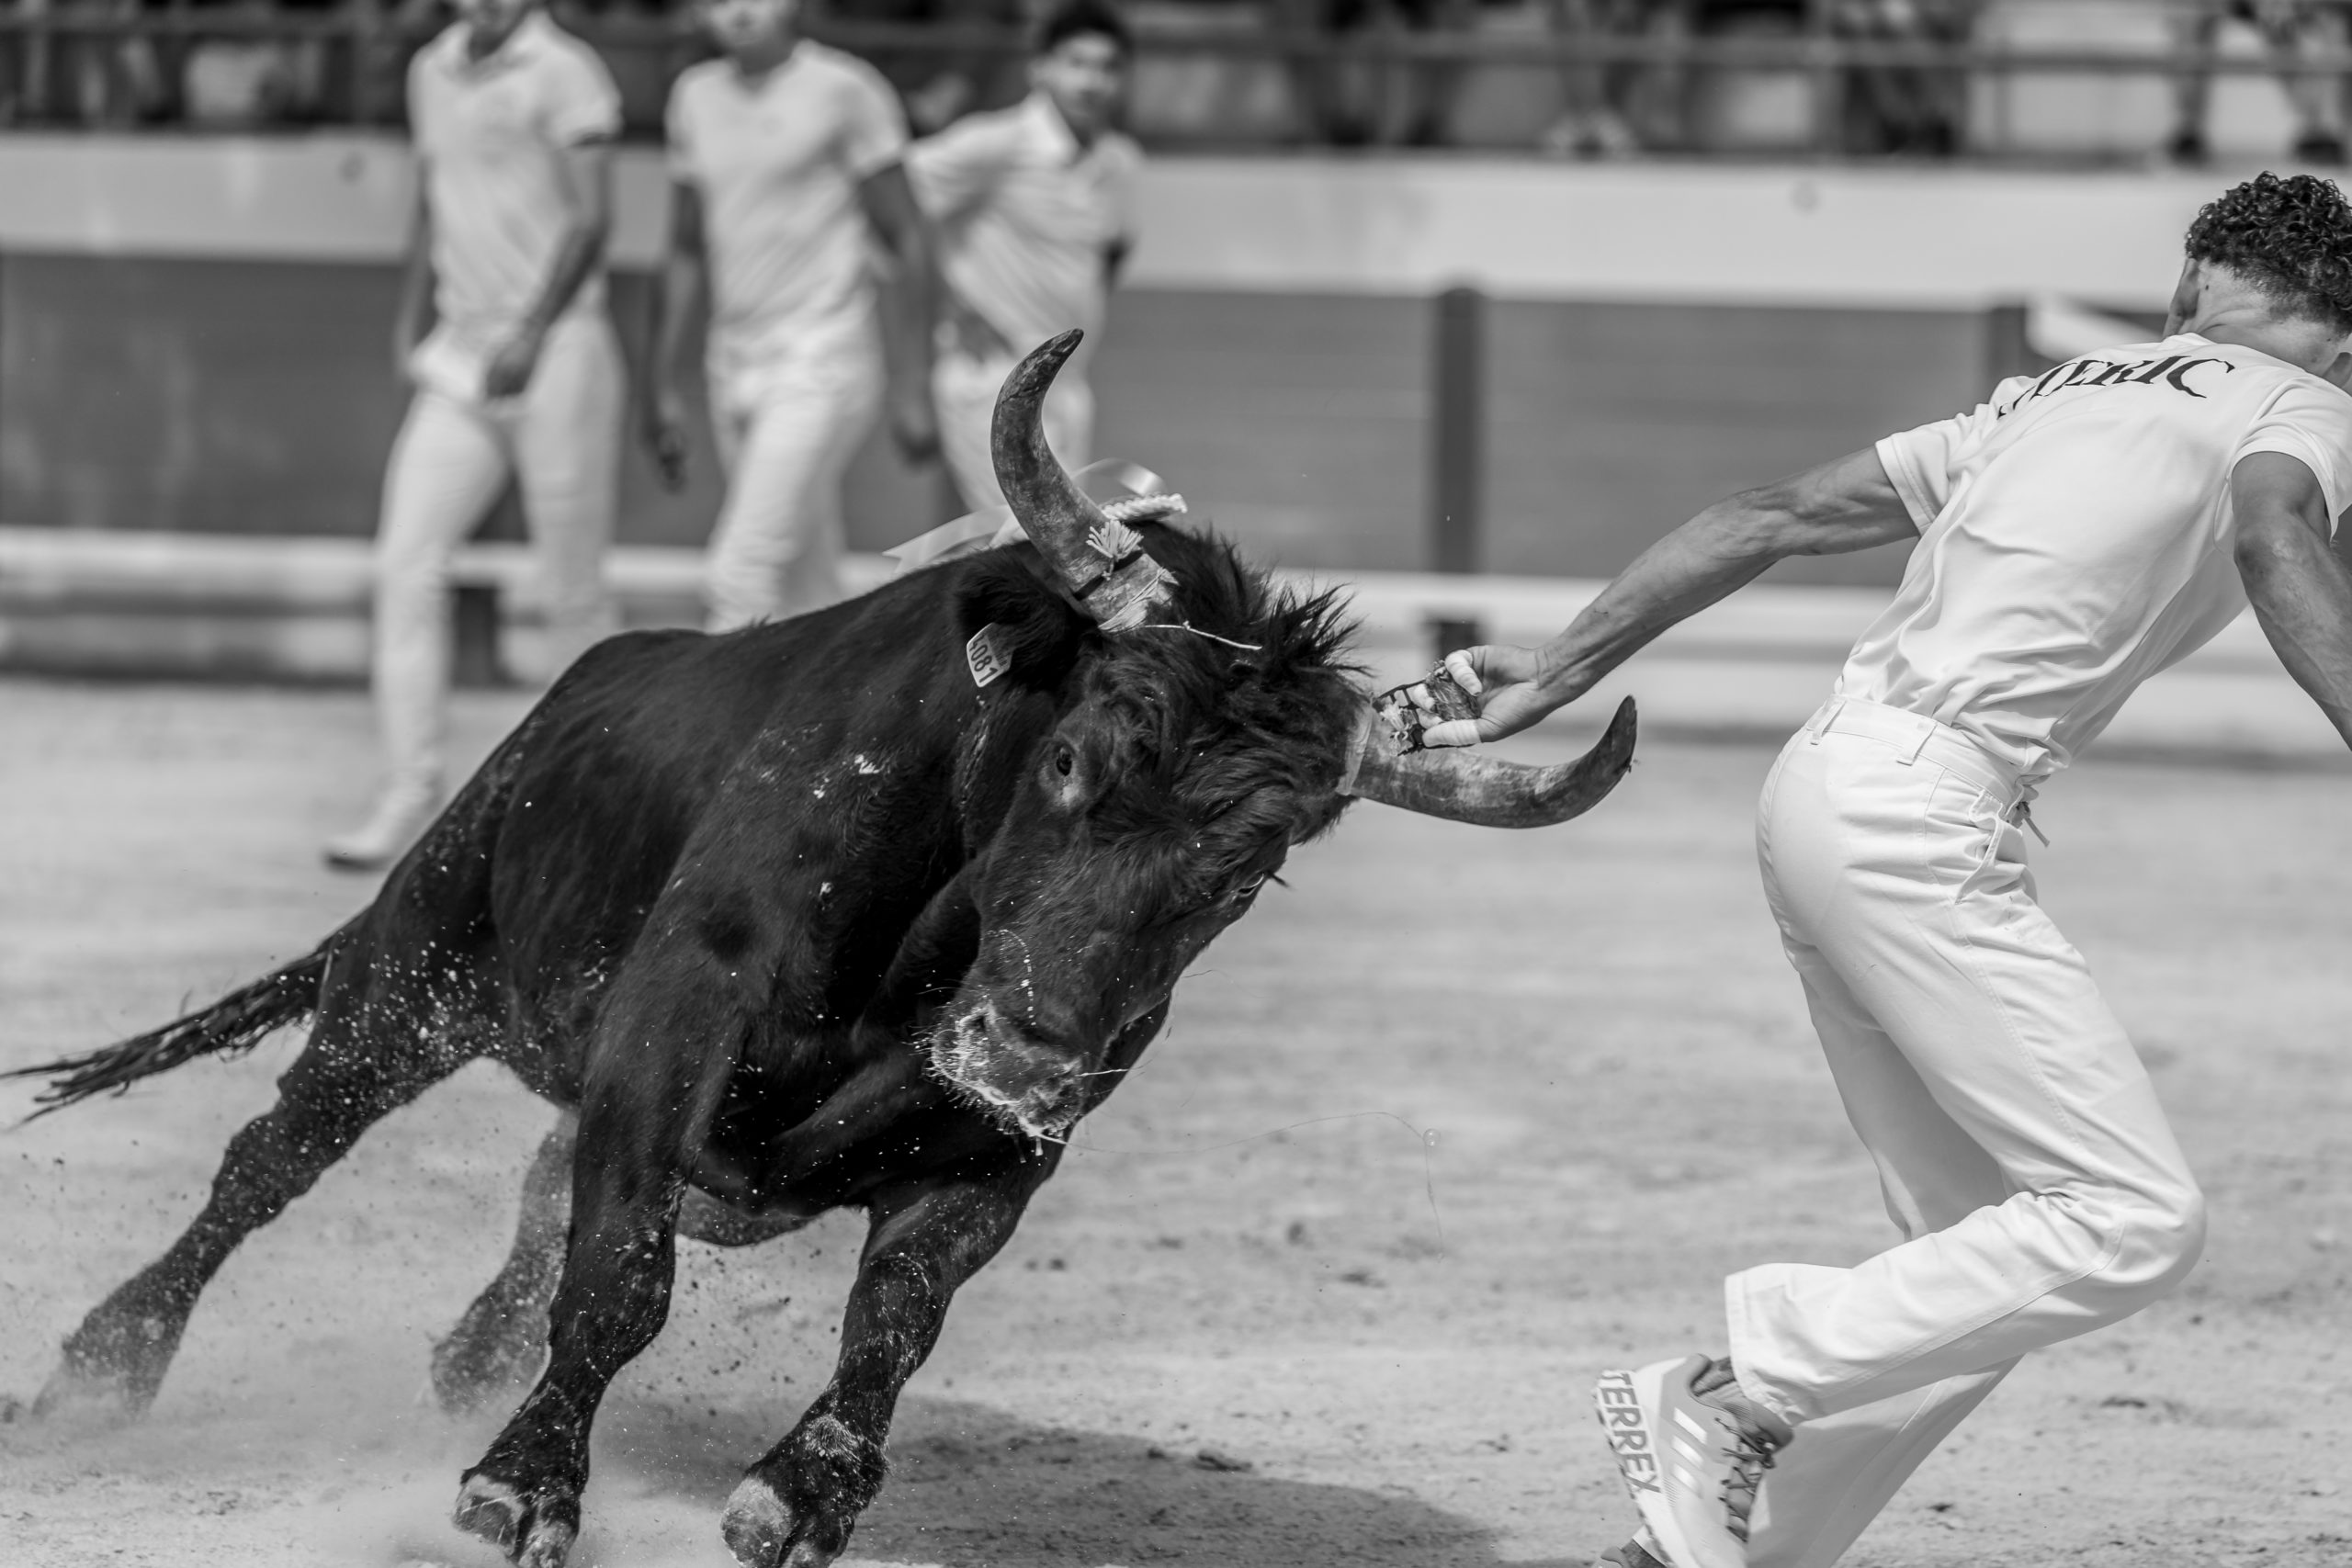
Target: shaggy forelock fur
1221, 750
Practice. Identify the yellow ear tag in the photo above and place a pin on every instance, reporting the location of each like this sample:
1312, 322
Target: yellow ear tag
986, 656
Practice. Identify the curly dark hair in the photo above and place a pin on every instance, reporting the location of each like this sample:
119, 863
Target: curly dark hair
2292, 238
1075, 18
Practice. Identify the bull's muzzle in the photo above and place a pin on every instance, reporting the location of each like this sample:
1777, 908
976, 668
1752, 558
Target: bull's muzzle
1035, 1089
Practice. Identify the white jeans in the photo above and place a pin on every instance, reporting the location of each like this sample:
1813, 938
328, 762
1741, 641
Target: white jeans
560, 442
2019, 1146
963, 390
787, 434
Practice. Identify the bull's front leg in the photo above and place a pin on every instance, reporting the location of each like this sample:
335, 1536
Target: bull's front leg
795, 1508
657, 1069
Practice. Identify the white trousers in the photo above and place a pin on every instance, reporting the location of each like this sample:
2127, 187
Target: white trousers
963, 390
786, 435
560, 442
2019, 1146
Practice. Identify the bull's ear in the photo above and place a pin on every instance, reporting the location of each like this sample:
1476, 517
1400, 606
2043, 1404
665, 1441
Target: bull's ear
1038, 631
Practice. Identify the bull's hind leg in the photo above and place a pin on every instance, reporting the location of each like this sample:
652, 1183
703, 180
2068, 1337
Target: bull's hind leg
796, 1507
504, 1332
382, 1039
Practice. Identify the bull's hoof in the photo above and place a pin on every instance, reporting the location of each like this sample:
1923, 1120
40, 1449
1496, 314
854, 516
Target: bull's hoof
527, 1531
81, 1395
758, 1526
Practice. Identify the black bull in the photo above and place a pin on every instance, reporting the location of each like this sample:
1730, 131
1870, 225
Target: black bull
800, 918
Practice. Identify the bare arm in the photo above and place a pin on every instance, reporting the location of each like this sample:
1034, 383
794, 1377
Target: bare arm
2301, 589
587, 169
910, 306
1849, 504
685, 268
411, 316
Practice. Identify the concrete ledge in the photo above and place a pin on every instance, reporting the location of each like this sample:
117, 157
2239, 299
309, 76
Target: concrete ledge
270, 608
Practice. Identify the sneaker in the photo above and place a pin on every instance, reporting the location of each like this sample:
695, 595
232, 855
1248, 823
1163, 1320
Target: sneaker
1693, 1450
1642, 1551
403, 811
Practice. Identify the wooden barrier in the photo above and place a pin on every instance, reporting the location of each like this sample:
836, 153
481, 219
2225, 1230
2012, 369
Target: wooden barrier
132, 605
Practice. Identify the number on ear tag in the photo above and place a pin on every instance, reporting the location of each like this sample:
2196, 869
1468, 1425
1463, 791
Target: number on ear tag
985, 655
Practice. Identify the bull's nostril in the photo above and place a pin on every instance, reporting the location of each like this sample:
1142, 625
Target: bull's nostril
1011, 1070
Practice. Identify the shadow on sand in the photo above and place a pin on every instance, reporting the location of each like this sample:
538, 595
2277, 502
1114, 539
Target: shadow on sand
972, 1487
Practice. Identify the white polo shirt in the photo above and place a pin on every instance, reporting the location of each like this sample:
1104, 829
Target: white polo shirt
2076, 536
778, 162
1026, 215
489, 135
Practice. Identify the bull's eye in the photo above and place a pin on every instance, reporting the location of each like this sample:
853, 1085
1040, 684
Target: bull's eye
1065, 761
1250, 889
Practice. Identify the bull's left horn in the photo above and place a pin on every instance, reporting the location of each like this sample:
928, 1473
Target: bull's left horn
1102, 563
1463, 786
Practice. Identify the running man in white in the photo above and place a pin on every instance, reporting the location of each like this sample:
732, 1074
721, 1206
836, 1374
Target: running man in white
785, 162
521, 376
1035, 205
2077, 534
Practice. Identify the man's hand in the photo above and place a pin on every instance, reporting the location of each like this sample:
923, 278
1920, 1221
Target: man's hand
914, 423
511, 368
665, 436
1506, 683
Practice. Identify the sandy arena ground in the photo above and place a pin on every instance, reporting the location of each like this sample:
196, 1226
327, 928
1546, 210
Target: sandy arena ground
1450, 1124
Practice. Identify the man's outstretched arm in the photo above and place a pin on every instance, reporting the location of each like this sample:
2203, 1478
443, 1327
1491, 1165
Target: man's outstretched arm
2301, 589
1849, 504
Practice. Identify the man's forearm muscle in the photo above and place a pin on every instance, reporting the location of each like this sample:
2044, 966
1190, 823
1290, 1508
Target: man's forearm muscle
2301, 589
588, 171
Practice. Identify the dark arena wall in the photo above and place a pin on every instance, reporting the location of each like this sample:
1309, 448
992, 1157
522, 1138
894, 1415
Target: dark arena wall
1656, 338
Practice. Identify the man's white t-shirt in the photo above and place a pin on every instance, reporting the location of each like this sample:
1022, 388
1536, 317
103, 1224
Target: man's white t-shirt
2076, 536
778, 162
490, 135
1026, 216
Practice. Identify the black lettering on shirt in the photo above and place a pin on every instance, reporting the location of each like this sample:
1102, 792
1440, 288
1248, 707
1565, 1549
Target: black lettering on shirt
2175, 377
2091, 371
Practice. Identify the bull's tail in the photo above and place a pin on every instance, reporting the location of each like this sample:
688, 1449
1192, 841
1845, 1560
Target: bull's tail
234, 1024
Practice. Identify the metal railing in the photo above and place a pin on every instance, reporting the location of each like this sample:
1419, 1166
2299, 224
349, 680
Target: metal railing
362, 51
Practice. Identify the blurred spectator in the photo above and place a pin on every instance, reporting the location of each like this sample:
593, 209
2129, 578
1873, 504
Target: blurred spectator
1903, 108
942, 85
1615, 109
77, 77
2289, 28
1036, 211
1610, 109
1353, 102
239, 79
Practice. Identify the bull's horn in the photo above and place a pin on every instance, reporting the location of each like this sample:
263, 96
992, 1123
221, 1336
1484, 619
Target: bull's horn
1102, 561
1463, 786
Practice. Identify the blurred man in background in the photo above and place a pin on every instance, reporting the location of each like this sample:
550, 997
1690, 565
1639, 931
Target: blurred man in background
784, 160
1611, 109
2289, 28
1345, 99
520, 378
1035, 205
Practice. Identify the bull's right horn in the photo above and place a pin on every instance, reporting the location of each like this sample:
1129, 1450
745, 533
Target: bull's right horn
1101, 561
1463, 786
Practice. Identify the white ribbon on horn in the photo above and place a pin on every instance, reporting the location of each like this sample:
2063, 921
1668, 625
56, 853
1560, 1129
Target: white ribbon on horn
1113, 484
